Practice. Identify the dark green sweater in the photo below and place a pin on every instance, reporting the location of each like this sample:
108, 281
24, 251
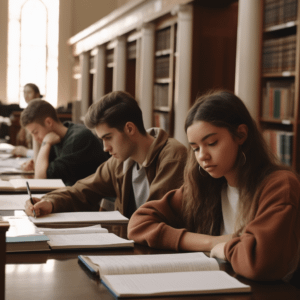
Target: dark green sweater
77, 156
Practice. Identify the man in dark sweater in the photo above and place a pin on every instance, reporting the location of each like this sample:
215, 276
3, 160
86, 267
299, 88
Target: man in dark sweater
68, 151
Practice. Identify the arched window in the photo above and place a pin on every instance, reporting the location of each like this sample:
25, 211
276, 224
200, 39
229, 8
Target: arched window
32, 48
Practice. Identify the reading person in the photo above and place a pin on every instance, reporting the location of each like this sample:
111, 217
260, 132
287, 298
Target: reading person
31, 91
144, 164
68, 151
236, 201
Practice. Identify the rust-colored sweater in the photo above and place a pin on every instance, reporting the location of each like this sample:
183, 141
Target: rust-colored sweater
269, 247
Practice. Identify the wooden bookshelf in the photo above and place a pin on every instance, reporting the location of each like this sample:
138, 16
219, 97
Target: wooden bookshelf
165, 53
279, 105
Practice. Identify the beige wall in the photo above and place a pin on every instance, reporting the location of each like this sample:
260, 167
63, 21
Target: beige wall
3, 48
75, 15
87, 12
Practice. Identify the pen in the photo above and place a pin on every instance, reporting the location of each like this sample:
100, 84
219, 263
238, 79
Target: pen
31, 200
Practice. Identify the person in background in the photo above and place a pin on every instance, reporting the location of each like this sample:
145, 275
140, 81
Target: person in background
24, 140
144, 164
68, 151
236, 200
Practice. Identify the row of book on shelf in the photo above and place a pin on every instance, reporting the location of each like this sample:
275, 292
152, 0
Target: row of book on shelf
278, 100
162, 64
279, 11
279, 54
163, 39
281, 144
161, 95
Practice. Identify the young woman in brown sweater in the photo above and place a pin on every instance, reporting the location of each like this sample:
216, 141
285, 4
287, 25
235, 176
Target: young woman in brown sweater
236, 200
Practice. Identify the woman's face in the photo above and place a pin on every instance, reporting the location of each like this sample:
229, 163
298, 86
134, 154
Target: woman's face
29, 94
215, 149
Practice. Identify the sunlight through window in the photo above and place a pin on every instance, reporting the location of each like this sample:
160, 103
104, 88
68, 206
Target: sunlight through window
32, 48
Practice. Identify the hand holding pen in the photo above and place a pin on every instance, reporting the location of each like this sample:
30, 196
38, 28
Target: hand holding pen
31, 200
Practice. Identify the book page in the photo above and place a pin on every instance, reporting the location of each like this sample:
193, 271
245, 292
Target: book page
20, 226
155, 263
174, 283
5, 147
15, 202
37, 183
87, 240
5, 185
76, 217
77, 230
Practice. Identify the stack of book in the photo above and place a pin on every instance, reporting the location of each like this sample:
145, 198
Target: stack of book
278, 100
281, 144
279, 54
279, 11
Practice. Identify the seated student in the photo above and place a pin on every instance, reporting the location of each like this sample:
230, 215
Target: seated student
236, 201
68, 151
144, 164
31, 91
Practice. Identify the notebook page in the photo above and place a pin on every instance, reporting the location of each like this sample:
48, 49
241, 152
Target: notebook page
14, 202
86, 239
77, 230
37, 183
76, 217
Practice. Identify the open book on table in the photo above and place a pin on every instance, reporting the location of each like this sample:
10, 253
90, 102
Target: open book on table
80, 218
90, 237
44, 185
15, 202
162, 274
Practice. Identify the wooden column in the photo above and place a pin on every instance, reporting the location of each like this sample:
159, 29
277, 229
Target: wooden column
3, 228
99, 77
119, 73
183, 70
83, 88
146, 73
248, 54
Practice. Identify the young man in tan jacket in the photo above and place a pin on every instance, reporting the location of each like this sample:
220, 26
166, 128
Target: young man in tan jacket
144, 164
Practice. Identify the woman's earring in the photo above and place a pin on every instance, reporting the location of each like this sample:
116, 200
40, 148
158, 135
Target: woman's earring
202, 174
244, 158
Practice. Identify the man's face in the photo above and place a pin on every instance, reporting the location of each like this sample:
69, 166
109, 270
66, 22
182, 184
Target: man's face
38, 131
117, 143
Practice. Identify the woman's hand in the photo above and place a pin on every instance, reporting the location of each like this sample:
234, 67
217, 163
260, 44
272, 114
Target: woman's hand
218, 251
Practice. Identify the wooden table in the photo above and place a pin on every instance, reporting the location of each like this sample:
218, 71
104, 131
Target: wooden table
59, 275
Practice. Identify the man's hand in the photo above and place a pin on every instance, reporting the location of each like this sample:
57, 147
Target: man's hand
28, 165
41, 207
51, 138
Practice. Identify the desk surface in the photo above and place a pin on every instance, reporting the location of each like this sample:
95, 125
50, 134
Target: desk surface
59, 275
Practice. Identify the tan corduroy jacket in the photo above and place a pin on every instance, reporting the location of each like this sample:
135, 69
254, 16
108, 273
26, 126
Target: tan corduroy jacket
164, 166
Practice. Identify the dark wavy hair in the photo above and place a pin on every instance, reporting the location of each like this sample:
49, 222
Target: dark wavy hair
115, 109
202, 194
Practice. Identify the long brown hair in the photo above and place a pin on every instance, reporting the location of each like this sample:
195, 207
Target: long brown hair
202, 193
